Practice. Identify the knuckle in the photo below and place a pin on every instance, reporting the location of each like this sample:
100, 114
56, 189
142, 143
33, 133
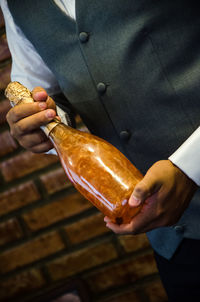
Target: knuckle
41, 148
35, 141
140, 191
8, 116
15, 114
12, 133
20, 129
21, 142
34, 150
27, 144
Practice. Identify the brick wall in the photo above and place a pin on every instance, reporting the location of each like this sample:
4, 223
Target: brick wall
50, 234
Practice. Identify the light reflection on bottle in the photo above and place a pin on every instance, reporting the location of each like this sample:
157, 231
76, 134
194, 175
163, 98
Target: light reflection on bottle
98, 194
90, 149
83, 183
118, 179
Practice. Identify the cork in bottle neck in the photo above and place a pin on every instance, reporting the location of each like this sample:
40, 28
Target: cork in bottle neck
17, 94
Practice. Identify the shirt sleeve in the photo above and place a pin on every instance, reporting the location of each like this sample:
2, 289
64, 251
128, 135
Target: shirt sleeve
187, 157
28, 67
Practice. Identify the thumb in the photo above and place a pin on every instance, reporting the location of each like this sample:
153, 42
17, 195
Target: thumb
39, 94
145, 188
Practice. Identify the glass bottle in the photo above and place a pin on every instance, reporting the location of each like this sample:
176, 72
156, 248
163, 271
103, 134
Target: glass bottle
98, 170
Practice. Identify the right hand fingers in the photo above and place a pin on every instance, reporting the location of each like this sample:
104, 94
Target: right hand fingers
24, 110
25, 119
36, 142
43, 147
43, 101
33, 122
32, 139
27, 133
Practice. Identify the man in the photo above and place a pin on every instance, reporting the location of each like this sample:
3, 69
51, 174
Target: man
131, 70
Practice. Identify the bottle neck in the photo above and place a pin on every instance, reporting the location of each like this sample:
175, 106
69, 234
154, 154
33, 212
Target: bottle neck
50, 126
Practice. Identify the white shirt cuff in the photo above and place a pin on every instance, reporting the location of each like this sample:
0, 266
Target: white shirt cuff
187, 157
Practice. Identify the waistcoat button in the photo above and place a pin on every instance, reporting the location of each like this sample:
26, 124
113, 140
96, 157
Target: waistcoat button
179, 228
83, 37
125, 135
101, 87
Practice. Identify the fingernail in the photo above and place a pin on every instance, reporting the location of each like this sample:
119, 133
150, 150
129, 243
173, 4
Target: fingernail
50, 114
134, 201
40, 94
42, 105
36, 94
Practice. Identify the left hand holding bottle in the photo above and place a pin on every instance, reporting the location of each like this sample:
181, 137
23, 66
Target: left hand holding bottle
165, 192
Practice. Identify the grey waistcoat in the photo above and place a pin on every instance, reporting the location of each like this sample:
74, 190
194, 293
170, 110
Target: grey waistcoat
131, 69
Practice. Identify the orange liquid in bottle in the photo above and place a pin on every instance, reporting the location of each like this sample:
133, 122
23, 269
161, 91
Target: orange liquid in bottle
98, 170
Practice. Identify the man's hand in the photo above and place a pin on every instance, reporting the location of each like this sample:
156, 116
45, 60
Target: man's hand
165, 192
25, 121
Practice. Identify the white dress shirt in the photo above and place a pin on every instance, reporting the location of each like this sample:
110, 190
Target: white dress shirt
29, 69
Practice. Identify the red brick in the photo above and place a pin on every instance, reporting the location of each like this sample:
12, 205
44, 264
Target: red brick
82, 260
10, 231
18, 197
86, 228
21, 284
55, 180
122, 273
155, 292
5, 77
4, 51
133, 243
132, 296
60, 209
1, 18
7, 144
31, 251
4, 108
25, 163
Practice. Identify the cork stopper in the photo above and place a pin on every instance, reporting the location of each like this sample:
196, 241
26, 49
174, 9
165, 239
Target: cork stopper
18, 93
